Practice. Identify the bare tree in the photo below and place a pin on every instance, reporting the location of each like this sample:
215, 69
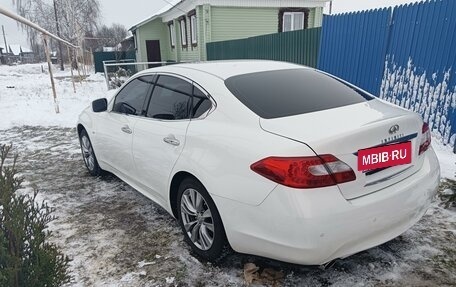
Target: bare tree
76, 18
110, 36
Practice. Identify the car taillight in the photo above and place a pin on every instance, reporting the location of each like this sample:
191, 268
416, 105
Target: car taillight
305, 172
425, 138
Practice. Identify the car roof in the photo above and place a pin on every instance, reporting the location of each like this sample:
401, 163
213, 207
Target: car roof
228, 68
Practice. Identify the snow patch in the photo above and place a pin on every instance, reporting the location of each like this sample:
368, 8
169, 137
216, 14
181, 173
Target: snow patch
26, 96
411, 88
447, 159
448, 192
143, 263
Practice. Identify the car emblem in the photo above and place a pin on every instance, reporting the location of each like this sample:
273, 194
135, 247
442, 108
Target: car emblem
394, 129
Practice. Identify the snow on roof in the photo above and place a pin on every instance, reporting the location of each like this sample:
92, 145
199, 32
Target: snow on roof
128, 38
15, 49
25, 50
165, 8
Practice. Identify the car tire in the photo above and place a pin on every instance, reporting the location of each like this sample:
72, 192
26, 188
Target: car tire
88, 154
201, 222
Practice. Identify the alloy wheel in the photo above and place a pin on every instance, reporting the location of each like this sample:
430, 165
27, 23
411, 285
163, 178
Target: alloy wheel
87, 152
197, 219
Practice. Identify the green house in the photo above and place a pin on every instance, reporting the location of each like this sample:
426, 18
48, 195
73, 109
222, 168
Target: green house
180, 32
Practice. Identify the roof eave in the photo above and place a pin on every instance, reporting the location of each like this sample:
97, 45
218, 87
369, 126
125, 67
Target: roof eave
153, 17
133, 28
170, 10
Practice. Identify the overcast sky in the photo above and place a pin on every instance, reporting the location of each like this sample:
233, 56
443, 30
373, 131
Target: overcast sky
131, 12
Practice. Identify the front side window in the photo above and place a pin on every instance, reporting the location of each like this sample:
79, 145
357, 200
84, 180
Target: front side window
183, 31
171, 99
172, 34
130, 100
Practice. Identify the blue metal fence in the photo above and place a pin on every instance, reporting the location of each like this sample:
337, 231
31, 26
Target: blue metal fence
353, 47
406, 55
420, 63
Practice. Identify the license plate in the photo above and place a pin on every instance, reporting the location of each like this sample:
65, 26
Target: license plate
384, 156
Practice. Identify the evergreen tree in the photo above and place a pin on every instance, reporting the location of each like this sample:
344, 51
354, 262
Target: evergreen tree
26, 257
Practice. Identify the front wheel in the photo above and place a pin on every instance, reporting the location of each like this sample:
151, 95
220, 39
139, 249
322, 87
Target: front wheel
200, 221
88, 154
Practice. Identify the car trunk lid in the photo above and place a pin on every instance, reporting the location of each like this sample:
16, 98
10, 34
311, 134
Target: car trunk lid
343, 131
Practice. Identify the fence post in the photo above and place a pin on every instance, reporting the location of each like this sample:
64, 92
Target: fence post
106, 74
48, 58
70, 60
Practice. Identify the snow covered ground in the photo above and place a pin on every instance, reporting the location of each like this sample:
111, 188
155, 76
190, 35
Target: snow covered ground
117, 237
26, 96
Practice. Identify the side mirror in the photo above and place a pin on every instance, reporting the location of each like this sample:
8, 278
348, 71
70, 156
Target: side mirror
100, 105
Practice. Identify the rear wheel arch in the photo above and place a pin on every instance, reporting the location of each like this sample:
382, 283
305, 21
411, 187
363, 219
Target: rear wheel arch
220, 247
174, 188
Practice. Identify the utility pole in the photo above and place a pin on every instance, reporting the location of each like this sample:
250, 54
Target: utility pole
4, 39
330, 7
58, 35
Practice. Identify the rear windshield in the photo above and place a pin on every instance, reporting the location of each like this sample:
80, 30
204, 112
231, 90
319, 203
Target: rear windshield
282, 93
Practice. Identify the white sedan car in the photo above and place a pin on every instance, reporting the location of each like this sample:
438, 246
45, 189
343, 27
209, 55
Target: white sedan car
268, 158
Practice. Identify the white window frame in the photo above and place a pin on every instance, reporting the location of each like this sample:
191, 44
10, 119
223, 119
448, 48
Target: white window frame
183, 31
293, 14
172, 33
193, 29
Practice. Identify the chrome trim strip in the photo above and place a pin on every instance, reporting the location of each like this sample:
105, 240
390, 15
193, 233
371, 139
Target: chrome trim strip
142, 74
402, 139
388, 177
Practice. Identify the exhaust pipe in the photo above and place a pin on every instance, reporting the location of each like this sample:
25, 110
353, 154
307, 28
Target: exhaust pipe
328, 265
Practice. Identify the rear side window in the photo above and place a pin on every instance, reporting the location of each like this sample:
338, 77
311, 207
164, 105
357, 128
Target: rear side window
201, 103
283, 93
170, 99
130, 100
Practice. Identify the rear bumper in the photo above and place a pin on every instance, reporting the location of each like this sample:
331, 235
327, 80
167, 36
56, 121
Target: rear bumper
313, 227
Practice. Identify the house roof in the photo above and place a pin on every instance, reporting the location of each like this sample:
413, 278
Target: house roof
180, 6
15, 49
109, 49
171, 4
128, 38
25, 50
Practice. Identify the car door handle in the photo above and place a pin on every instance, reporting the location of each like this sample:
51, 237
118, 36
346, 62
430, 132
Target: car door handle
171, 140
126, 129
